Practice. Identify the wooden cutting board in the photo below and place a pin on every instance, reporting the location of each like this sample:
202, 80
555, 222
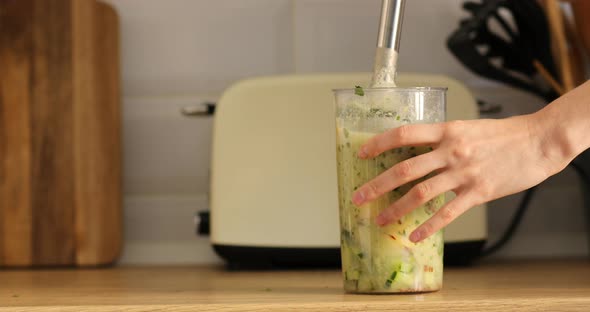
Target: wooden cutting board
60, 143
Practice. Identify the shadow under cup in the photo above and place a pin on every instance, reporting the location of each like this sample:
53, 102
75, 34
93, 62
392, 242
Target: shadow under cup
379, 259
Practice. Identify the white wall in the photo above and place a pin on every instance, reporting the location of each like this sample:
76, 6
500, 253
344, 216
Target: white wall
182, 52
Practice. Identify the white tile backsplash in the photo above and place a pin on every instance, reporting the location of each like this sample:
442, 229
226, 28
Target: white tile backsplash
335, 35
340, 35
164, 151
184, 52
427, 25
160, 229
198, 46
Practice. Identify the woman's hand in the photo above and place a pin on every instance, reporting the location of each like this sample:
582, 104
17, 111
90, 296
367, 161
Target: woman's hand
479, 160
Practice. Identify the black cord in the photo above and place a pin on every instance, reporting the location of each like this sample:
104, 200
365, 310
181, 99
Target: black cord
516, 220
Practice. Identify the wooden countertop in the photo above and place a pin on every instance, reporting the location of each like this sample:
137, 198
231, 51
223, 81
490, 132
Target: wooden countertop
523, 285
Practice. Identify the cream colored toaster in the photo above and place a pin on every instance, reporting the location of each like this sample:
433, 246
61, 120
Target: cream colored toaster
273, 175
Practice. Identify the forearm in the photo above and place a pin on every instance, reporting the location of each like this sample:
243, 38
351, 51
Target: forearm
565, 126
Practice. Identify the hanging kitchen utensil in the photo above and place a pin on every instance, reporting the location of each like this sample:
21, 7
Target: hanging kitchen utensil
509, 56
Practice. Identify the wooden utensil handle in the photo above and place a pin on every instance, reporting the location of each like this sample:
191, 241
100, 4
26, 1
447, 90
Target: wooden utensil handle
556, 26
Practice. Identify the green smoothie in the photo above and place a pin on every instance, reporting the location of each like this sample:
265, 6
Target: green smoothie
382, 259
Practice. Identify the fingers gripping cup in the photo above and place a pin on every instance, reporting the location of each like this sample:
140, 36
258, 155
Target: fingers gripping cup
382, 259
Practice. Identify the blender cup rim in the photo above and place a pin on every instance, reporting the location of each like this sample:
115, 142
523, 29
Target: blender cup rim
401, 89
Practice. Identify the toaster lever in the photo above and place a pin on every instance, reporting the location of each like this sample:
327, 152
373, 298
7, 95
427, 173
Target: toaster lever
202, 223
203, 109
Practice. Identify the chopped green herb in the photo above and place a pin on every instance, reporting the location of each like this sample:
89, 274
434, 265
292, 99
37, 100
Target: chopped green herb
347, 144
360, 255
358, 90
391, 279
397, 117
267, 289
382, 165
417, 222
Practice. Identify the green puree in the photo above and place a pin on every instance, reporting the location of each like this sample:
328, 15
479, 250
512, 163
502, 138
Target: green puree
383, 259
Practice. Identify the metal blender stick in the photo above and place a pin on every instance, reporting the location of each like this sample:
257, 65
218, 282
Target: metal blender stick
388, 42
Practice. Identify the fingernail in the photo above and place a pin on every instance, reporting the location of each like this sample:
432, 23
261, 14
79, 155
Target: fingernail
358, 198
415, 236
381, 220
363, 153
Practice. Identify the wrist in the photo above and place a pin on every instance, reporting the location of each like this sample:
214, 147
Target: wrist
561, 131
554, 144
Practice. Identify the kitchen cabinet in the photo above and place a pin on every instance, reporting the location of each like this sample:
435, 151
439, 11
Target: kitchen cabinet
540, 285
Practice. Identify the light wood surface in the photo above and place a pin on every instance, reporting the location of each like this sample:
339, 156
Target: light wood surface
60, 151
514, 286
